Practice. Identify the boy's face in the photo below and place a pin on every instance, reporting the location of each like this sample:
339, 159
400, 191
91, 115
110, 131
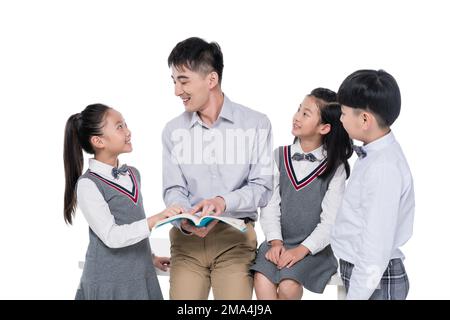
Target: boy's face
352, 121
192, 87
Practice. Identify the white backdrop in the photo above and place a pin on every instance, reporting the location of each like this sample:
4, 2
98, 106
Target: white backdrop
56, 57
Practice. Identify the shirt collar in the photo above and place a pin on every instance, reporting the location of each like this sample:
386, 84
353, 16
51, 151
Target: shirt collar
194, 119
227, 109
380, 143
319, 152
100, 168
226, 113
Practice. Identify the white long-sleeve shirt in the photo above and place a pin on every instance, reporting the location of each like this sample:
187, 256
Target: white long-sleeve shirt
376, 216
270, 215
96, 210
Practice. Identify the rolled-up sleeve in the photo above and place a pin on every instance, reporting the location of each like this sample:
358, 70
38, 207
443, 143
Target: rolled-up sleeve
175, 189
258, 189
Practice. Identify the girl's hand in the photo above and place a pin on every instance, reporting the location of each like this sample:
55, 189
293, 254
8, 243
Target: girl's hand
168, 212
292, 256
275, 251
162, 263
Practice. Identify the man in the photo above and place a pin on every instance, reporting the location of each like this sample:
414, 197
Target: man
216, 159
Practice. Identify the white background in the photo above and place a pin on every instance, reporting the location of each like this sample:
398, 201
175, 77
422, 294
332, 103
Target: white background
56, 57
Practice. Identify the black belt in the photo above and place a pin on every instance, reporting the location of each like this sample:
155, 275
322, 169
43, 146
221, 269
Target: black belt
247, 220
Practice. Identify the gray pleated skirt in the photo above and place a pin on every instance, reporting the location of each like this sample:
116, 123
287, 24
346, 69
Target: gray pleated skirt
140, 289
313, 271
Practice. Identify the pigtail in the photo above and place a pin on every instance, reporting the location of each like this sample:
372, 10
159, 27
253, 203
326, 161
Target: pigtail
337, 143
73, 165
80, 127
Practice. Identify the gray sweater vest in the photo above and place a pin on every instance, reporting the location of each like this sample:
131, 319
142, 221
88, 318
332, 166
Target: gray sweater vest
301, 200
104, 265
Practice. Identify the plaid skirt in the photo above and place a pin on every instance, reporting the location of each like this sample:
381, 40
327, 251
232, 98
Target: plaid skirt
394, 284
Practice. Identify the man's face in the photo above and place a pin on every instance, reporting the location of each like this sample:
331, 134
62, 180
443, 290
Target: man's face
192, 87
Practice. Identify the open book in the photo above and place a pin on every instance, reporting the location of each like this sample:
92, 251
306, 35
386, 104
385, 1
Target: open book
204, 221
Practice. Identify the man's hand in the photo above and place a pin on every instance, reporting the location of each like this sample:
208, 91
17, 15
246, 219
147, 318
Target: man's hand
216, 205
199, 232
292, 256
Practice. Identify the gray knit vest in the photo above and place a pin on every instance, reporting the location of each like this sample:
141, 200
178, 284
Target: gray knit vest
301, 200
104, 264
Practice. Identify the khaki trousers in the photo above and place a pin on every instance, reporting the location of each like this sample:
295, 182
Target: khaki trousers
221, 260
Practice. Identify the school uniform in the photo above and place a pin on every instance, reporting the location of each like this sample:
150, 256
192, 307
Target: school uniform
118, 261
301, 212
374, 221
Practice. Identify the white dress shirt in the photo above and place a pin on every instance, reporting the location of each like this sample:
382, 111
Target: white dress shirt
376, 216
98, 215
270, 215
231, 159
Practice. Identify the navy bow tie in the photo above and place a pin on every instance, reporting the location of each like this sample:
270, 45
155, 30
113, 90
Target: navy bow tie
360, 151
304, 156
116, 171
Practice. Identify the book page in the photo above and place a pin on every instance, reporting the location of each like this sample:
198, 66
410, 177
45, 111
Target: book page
188, 216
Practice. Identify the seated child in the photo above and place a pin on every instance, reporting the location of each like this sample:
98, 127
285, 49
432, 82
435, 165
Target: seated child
308, 187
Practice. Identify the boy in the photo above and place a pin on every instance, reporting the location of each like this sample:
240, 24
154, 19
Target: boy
377, 211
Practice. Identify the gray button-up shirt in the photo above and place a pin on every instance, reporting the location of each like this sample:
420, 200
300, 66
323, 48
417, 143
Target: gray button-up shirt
231, 159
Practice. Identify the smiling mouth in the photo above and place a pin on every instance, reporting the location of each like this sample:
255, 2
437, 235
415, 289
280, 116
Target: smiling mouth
185, 99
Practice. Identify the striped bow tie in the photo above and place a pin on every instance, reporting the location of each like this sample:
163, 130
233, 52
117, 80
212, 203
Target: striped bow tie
116, 171
304, 156
360, 151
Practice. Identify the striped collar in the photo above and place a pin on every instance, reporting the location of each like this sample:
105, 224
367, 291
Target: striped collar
102, 171
298, 185
133, 195
105, 170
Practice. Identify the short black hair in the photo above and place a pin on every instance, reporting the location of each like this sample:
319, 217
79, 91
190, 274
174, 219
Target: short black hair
197, 55
374, 91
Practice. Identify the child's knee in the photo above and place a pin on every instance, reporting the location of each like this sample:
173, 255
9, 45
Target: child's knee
290, 287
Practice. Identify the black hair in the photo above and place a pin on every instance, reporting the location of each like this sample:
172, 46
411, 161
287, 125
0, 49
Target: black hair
374, 91
324, 94
197, 55
80, 127
337, 142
